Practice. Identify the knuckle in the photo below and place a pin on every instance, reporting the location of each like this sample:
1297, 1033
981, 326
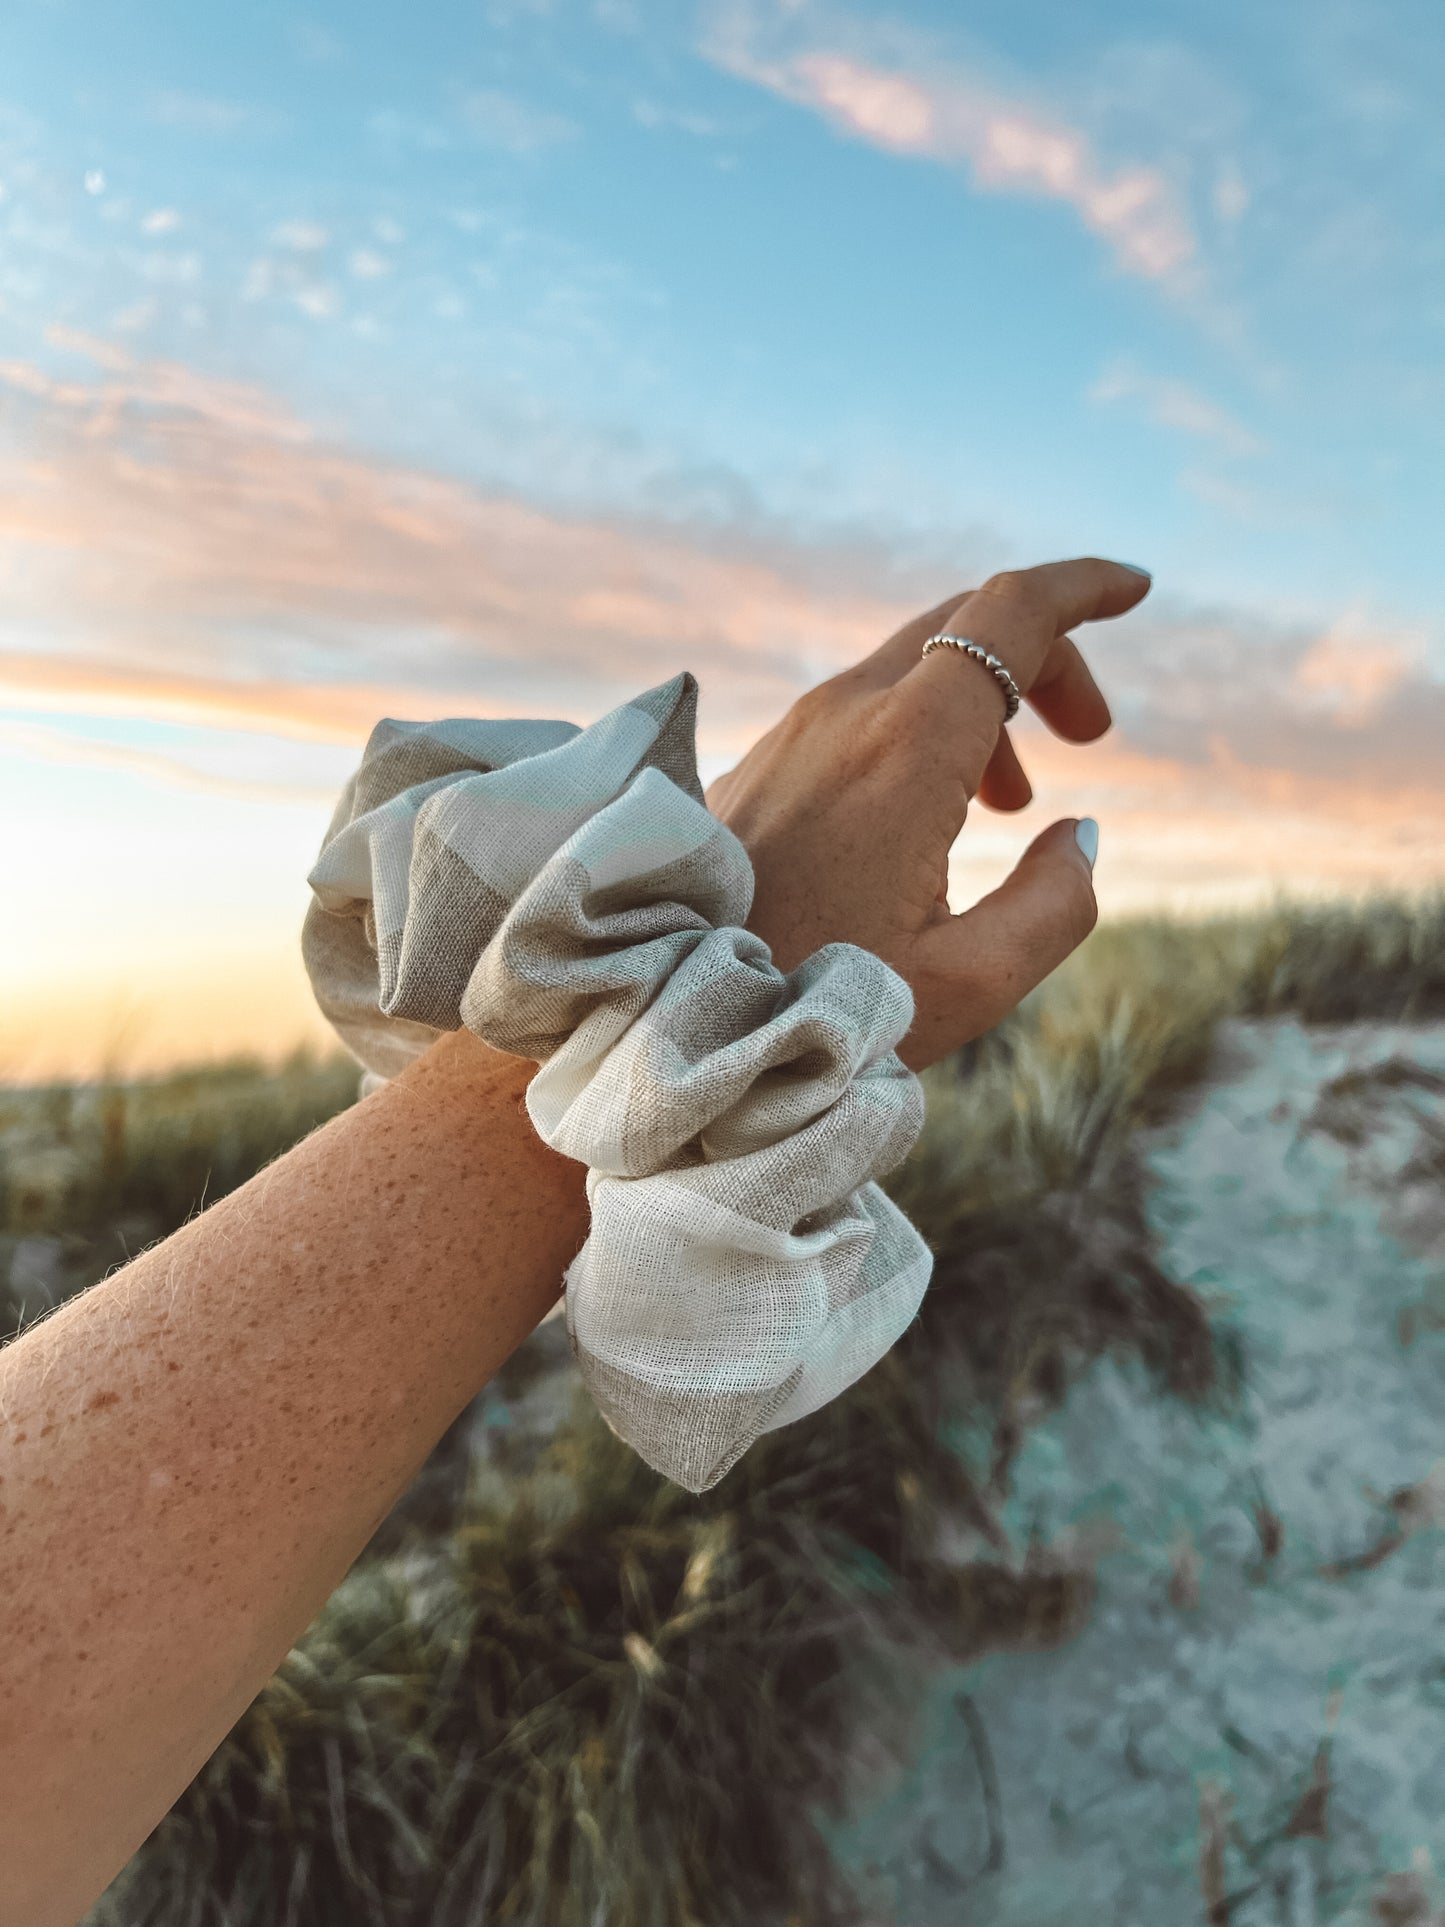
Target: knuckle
810, 711
835, 730
817, 701
1013, 585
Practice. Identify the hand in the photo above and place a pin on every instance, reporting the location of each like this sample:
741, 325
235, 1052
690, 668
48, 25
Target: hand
850, 806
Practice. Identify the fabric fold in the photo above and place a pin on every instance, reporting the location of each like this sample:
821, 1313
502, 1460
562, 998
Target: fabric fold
568, 897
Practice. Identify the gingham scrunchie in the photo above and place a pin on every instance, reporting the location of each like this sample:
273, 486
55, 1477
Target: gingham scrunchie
566, 895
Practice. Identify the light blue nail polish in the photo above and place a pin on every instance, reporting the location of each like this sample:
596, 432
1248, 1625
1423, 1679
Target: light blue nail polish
1134, 569
1086, 835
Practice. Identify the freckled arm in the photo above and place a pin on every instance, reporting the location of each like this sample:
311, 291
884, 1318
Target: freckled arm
194, 1452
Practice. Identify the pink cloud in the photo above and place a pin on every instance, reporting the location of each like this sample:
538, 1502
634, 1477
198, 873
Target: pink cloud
51, 745
1214, 831
179, 548
1009, 146
170, 540
1352, 671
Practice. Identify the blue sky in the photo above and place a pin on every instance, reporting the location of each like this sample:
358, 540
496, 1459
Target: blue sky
514, 355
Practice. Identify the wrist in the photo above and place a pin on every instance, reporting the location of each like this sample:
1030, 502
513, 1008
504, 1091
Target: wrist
476, 1096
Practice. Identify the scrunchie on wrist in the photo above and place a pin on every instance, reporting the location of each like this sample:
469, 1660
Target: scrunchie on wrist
568, 897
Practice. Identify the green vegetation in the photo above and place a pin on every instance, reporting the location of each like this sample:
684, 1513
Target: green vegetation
91, 1174
577, 1695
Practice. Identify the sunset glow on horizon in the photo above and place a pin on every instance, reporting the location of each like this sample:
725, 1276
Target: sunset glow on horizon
508, 359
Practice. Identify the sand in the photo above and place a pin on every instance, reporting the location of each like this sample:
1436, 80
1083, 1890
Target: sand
1254, 1716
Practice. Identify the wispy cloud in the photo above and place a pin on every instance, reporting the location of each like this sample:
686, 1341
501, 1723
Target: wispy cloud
367, 265
1211, 828
302, 237
681, 120
1231, 195
199, 113
508, 13
73, 683
55, 745
1350, 711
1355, 670
1174, 404
141, 386
1306, 505
1007, 143
168, 527
179, 547
315, 44
502, 120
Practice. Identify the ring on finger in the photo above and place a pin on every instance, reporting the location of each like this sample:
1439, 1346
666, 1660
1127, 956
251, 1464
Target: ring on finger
966, 646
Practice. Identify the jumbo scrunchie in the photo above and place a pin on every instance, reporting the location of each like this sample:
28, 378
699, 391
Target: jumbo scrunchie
568, 897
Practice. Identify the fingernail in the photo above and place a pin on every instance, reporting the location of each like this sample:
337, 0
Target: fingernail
1134, 569
1086, 835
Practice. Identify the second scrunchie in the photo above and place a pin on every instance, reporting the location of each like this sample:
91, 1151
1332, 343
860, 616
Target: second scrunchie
568, 897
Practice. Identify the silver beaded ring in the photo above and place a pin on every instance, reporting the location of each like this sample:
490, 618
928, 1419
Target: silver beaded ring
965, 646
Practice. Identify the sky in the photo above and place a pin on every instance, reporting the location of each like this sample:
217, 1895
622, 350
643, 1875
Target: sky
506, 358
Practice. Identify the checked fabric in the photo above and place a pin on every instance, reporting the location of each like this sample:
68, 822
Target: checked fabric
566, 895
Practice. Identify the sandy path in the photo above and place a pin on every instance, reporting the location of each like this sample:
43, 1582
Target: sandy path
1279, 1578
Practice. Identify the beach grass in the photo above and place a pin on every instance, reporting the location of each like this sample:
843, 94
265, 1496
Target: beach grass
580, 1695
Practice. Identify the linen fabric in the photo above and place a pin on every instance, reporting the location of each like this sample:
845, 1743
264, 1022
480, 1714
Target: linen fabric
567, 896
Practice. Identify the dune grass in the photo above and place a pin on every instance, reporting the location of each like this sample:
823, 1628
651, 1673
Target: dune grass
91, 1174
584, 1696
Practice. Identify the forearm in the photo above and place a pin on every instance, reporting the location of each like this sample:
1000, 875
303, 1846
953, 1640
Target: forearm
196, 1450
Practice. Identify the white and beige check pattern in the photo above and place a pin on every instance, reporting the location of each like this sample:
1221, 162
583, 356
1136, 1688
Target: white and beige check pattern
567, 896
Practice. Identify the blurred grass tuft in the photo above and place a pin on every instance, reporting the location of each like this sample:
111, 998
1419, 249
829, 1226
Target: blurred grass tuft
582, 1695
91, 1174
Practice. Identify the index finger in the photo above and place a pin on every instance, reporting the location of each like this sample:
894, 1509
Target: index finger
1021, 617
1020, 613
1059, 594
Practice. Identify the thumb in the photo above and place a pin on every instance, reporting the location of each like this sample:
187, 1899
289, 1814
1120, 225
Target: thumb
973, 969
